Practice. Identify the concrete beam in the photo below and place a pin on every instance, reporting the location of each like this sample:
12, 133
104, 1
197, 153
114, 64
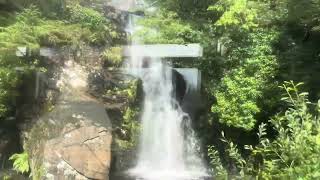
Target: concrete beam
163, 50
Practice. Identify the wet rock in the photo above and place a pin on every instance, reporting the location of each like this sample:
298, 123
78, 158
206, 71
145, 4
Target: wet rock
97, 82
122, 160
79, 139
179, 85
9, 144
83, 151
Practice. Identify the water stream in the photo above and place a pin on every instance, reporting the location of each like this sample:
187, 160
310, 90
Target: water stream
168, 148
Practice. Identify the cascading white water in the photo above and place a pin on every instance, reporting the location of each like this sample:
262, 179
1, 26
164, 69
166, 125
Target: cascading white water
168, 147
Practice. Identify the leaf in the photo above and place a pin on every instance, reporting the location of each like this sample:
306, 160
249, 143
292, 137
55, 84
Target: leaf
20, 162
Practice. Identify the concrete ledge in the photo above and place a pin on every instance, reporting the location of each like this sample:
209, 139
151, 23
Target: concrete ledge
163, 50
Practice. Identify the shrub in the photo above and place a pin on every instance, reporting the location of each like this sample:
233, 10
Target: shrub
293, 154
113, 56
8, 82
242, 88
102, 30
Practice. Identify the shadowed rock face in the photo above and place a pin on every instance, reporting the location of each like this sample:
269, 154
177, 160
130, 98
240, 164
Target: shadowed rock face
9, 144
179, 85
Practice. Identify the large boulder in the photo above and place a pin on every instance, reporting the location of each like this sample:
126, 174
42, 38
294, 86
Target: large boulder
75, 138
81, 153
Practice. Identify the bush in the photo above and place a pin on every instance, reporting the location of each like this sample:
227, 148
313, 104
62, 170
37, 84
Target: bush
113, 56
8, 82
102, 30
166, 27
242, 88
32, 30
293, 154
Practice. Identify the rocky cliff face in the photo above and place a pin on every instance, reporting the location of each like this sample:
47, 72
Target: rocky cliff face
71, 136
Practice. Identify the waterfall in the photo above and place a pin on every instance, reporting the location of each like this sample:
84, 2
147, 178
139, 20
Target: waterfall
168, 148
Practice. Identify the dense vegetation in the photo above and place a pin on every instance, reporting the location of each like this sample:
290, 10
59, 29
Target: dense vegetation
259, 122
33, 28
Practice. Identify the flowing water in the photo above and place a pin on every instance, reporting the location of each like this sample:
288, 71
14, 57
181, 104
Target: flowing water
169, 149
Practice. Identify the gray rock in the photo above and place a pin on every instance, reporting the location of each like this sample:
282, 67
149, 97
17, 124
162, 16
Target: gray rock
80, 153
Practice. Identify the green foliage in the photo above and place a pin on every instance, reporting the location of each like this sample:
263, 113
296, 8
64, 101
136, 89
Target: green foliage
293, 154
11, 70
21, 162
113, 56
185, 9
310, 14
295, 150
6, 18
166, 28
86, 17
248, 32
242, 87
28, 30
299, 45
235, 13
217, 168
131, 124
49, 8
128, 91
8, 81
128, 125
32, 30
132, 91
102, 30
21, 32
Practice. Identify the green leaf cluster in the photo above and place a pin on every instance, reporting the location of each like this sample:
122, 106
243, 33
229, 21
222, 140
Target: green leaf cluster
235, 13
21, 162
32, 30
164, 28
103, 31
240, 89
293, 154
113, 56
